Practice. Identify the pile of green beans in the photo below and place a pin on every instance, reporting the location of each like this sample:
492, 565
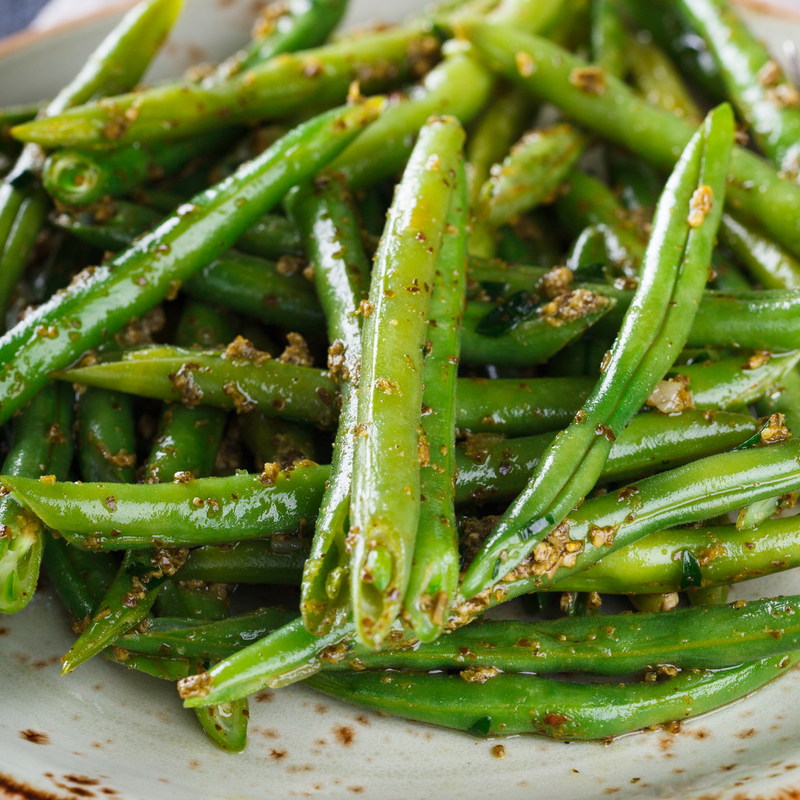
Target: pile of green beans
407, 354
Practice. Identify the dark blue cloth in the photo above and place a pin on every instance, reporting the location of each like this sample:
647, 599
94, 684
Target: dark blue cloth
17, 14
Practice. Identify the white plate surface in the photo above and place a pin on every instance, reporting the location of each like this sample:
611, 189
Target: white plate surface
104, 732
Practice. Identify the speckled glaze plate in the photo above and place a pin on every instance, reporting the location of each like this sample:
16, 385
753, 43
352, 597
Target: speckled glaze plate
107, 732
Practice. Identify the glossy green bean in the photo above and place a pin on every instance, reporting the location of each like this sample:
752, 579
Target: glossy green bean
325, 215
769, 263
41, 446
205, 511
709, 637
492, 468
502, 123
131, 283
530, 174
699, 490
239, 377
588, 202
278, 561
754, 81
294, 26
434, 570
81, 177
253, 286
656, 78
509, 704
608, 39
206, 640
106, 449
384, 509
537, 405
281, 87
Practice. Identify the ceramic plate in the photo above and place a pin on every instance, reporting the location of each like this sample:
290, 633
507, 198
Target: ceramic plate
107, 732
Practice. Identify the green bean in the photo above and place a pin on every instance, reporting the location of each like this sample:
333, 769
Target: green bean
784, 398
609, 41
270, 237
770, 264
385, 502
168, 669
500, 406
615, 520
617, 114
726, 556
253, 286
325, 216
192, 600
203, 326
19, 113
509, 704
492, 468
292, 26
190, 639
115, 229
19, 243
81, 177
277, 561
386, 146
588, 202
127, 601
498, 127
661, 18
239, 377
673, 277
530, 174
537, 405
534, 340
709, 637
656, 78
280, 87
106, 449
754, 320
205, 511
67, 581
434, 570
134, 281
187, 441
715, 596
276, 442
754, 81
41, 446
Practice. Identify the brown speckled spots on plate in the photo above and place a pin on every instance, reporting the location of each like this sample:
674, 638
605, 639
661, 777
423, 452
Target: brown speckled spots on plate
665, 742
277, 755
194, 764
355, 789
362, 719
699, 733
265, 697
34, 737
678, 770
746, 734
15, 790
344, 735
82, 780
321, 708
3, 631
611, 790
295, 768
267, 733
